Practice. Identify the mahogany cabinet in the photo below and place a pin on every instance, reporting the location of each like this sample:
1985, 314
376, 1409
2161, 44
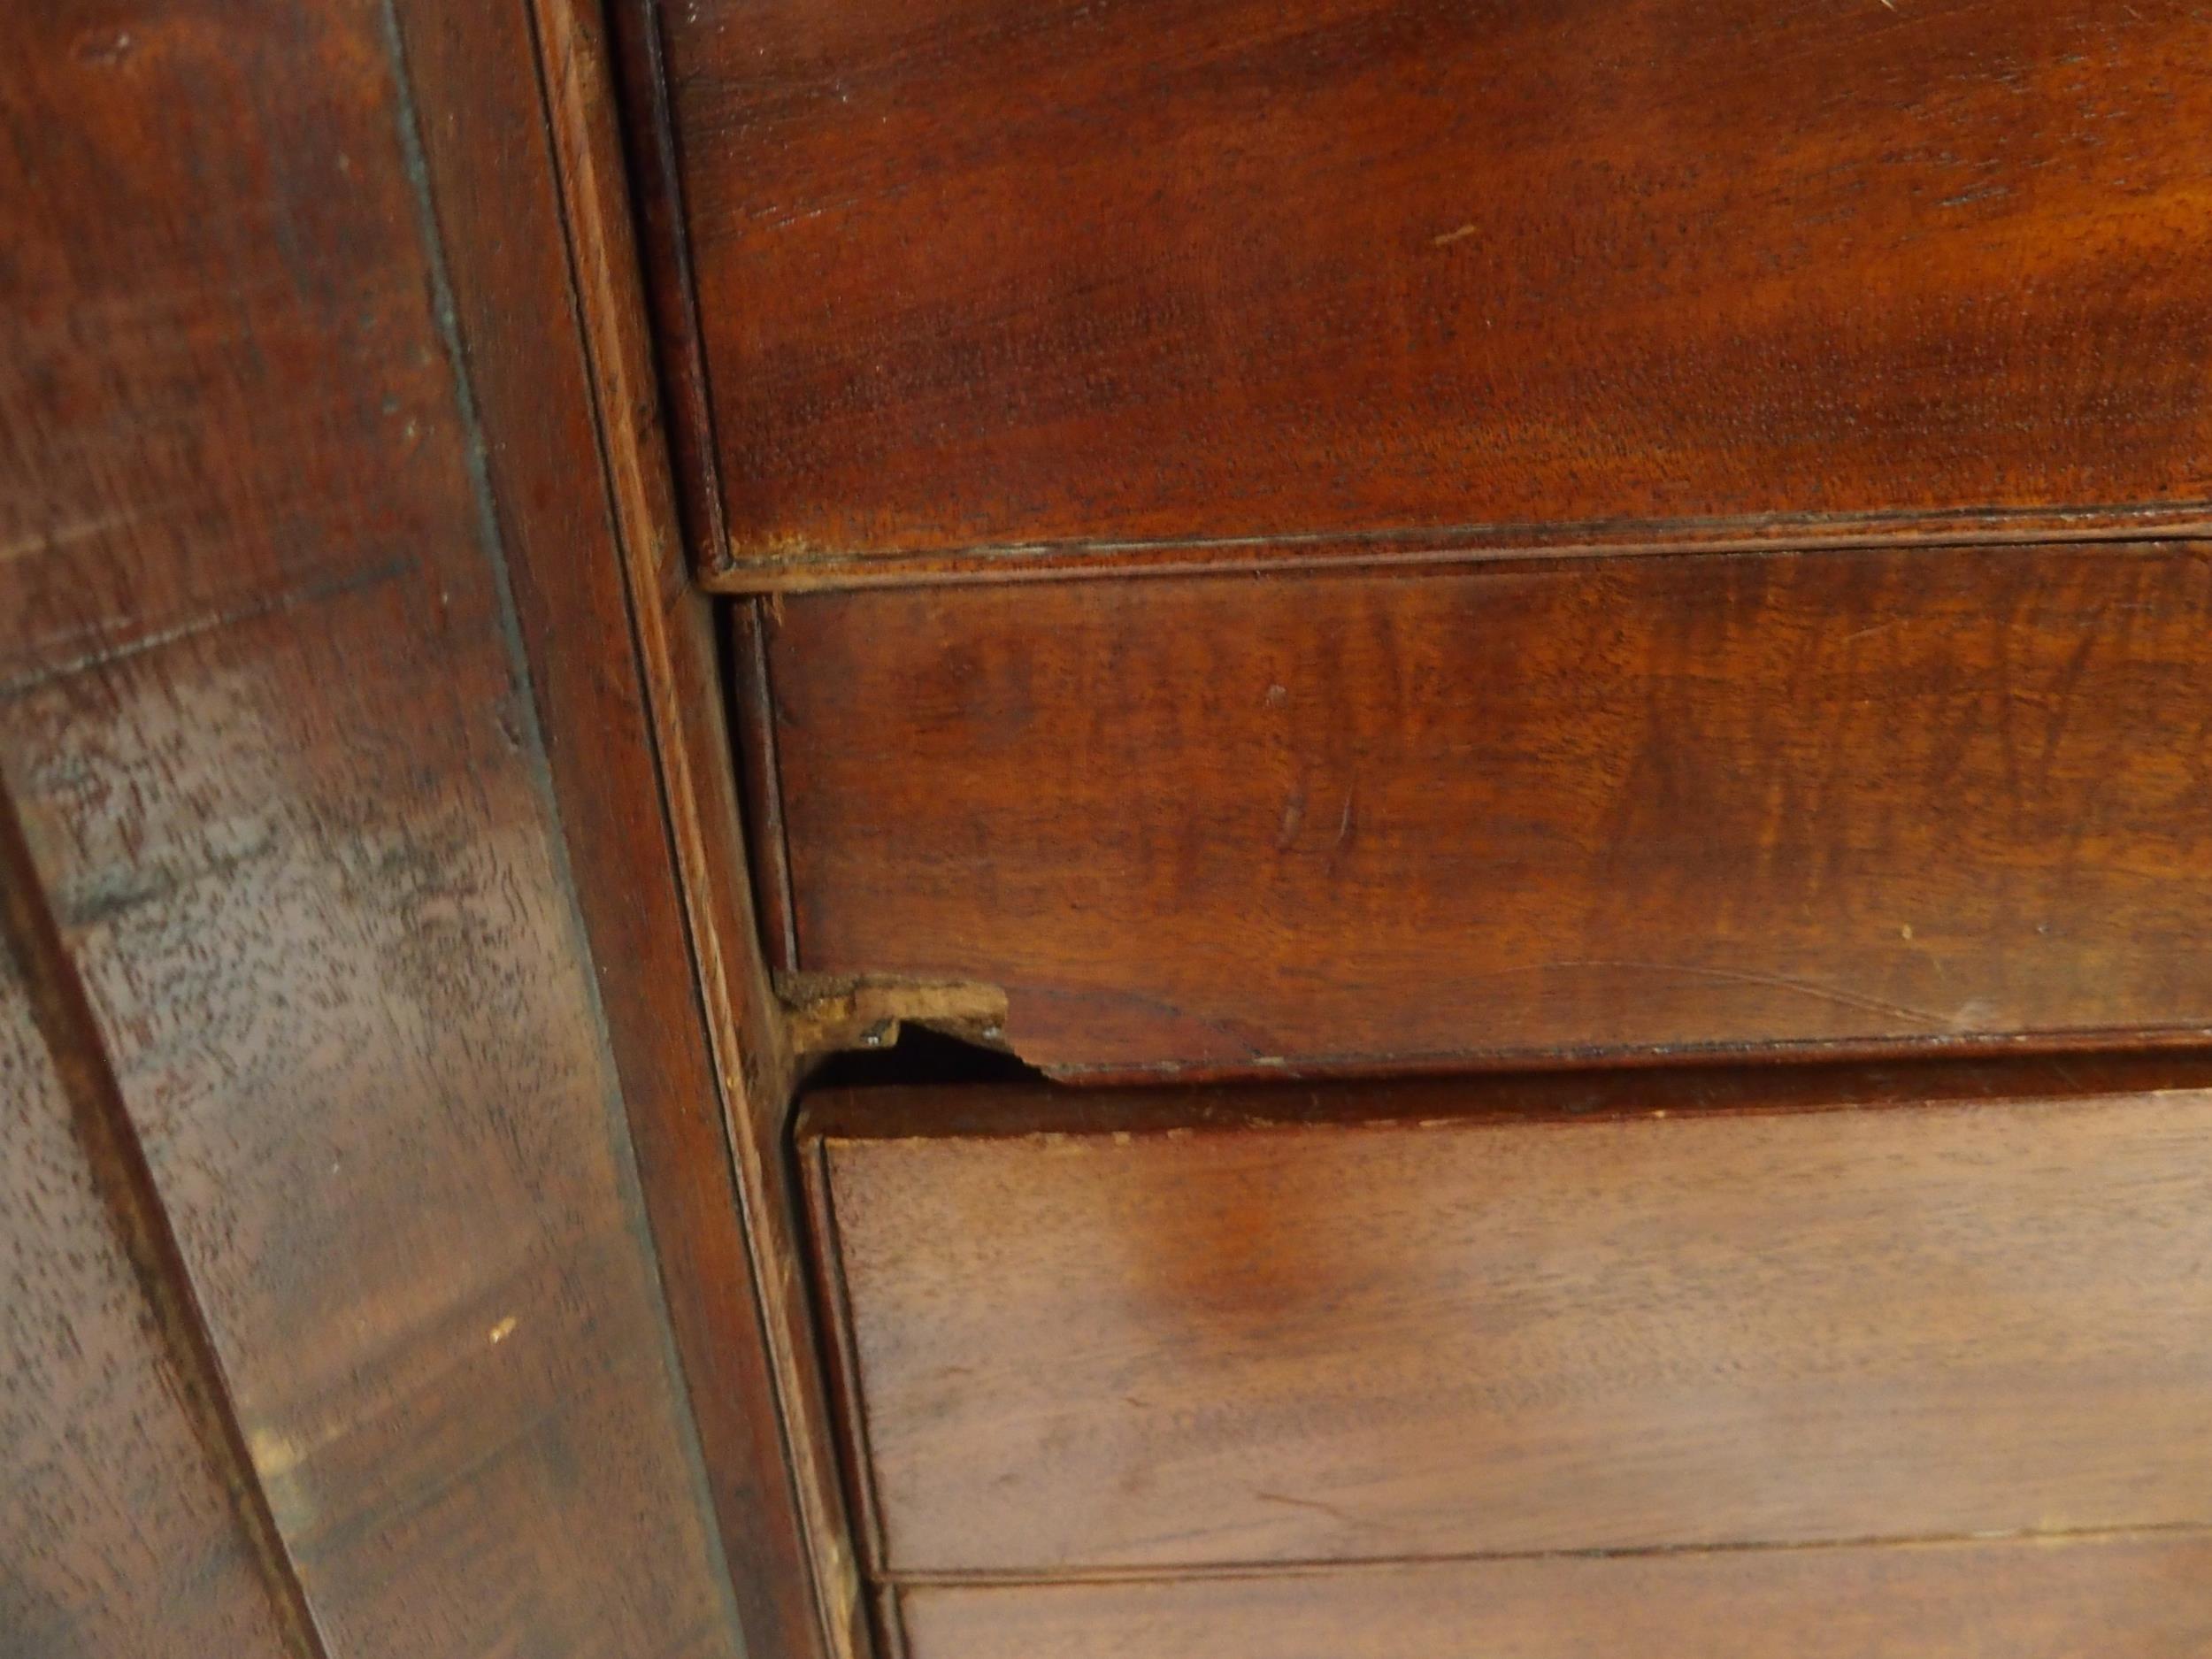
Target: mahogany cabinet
934, 828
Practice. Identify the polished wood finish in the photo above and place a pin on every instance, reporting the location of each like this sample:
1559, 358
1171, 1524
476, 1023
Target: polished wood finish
402, 1240
1511, 1315
285, 800
624, 677
1248, 279
1621, 807
663, 241
2141, 1597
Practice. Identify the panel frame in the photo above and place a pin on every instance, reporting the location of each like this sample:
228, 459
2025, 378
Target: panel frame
582, 670
627, 678
2130, 1595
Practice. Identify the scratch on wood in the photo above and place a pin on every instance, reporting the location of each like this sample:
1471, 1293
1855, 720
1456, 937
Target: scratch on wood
1778, 981
60, 536
273, 604
1330, 1509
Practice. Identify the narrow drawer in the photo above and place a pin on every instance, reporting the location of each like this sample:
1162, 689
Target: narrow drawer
1148, 1331
1012, 281
1861, 800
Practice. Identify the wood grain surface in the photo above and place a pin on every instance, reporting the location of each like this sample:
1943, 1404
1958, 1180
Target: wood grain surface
1535, 811
2142, 1597
120, 1532
263, 711
532, 219
1113, 1332
976, 274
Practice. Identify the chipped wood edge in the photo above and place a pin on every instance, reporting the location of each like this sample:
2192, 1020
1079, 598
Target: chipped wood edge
827, 1014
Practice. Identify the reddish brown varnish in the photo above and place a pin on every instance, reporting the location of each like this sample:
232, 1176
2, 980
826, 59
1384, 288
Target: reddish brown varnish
998, 273
118, 1507
1172, 1331
306, 892
400, 1244
1611, 807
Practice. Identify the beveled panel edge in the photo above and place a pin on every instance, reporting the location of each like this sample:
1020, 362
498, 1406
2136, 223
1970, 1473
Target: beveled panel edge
739, 570
713, 1166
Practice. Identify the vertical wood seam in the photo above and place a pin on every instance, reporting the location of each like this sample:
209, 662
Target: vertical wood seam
725, 1526
890, 1605
836, 1589
660, 178
835, 1296
753, 703
101, 1124
535, 753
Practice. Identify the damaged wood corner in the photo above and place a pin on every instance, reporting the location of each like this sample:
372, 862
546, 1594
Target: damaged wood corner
831, 1013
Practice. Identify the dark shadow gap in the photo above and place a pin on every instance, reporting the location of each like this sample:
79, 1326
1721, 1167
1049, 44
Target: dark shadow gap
922, 1056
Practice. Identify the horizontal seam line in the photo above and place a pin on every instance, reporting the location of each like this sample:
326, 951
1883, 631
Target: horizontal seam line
1168, 1573
1523, 532
2062, 1040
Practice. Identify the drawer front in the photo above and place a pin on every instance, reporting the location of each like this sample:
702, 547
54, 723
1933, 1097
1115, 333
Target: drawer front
2131, 1598
1863, 799
1451, 1319
1052, 279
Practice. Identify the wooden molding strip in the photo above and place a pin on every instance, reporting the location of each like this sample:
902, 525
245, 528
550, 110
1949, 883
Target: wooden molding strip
750, 571
674, 634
